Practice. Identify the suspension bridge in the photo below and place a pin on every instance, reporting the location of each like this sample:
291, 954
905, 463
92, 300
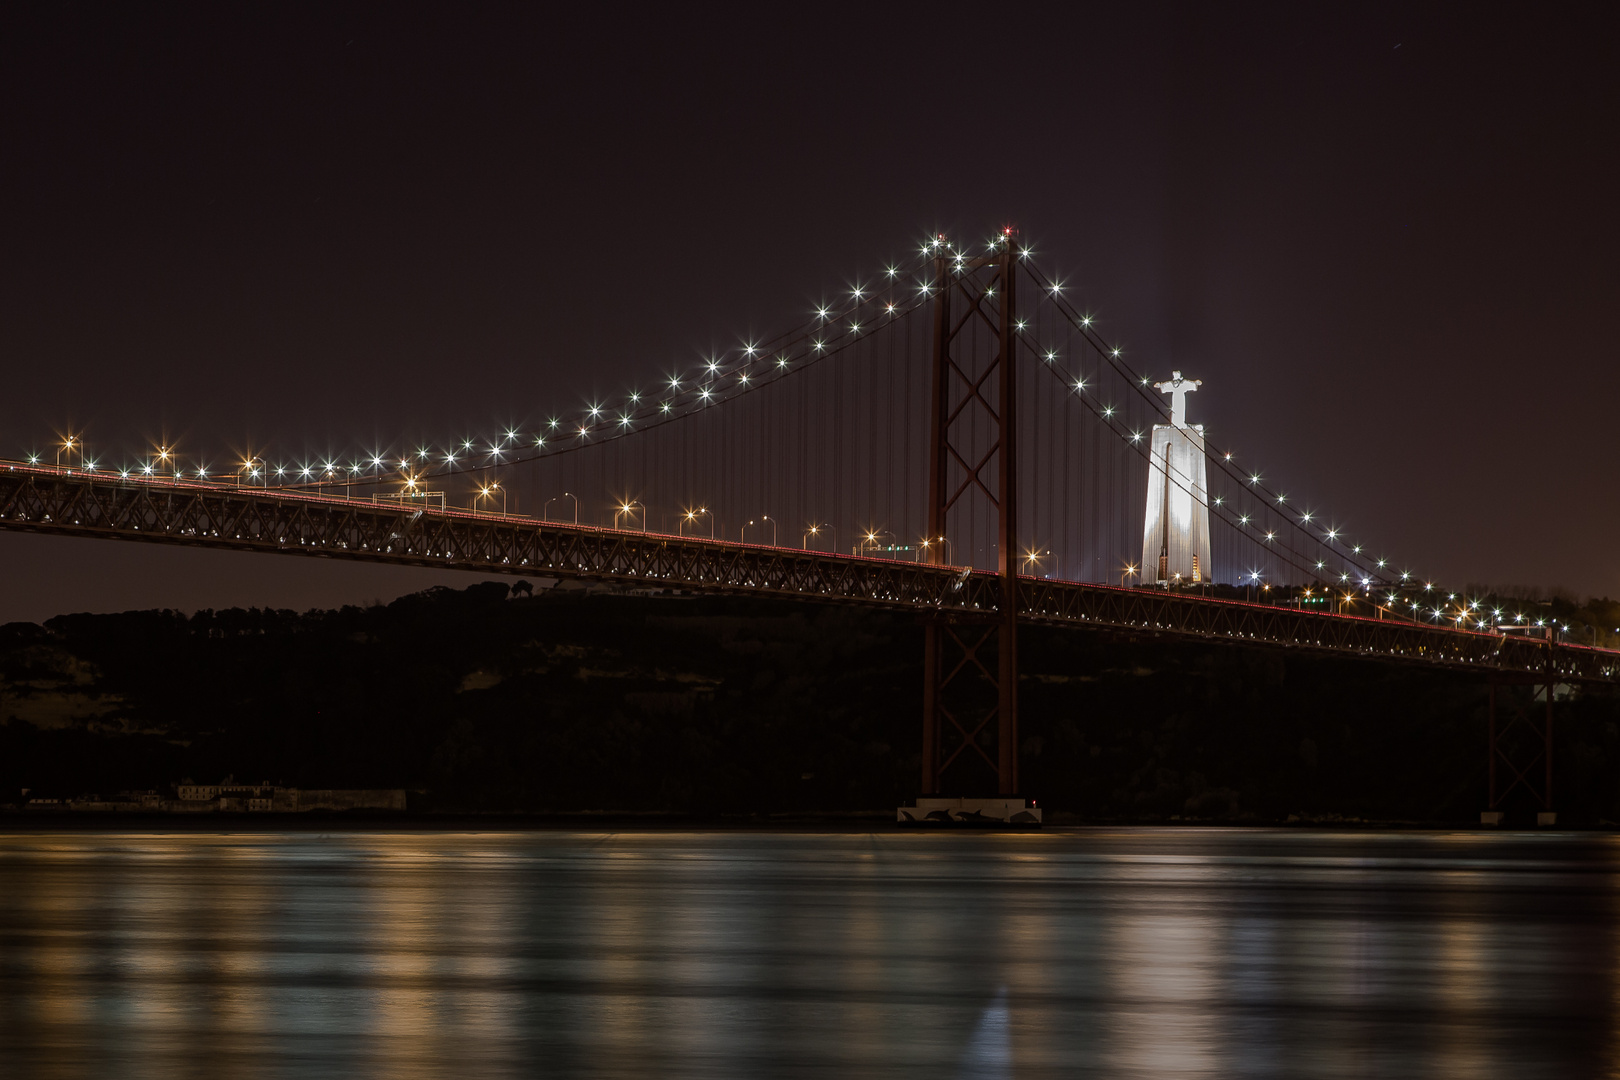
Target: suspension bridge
952, 437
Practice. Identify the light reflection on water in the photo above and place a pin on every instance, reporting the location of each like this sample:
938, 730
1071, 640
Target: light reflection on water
1111, 952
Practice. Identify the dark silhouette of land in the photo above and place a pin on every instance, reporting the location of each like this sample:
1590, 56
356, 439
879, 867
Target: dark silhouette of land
489, 700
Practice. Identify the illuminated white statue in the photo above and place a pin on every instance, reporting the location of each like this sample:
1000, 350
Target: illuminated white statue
1175, 536
1178, 389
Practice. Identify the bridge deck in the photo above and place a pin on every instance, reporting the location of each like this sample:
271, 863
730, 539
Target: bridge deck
73, 502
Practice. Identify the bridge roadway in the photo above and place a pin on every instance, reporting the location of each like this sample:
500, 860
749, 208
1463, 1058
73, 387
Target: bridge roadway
72, 502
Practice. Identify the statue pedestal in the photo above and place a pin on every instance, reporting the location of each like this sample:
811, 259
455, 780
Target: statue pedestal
1178, 510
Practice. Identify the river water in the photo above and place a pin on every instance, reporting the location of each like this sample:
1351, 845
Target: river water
1085, 952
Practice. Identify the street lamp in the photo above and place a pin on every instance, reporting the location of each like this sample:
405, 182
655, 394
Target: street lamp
489, 491
250, 467
815, 530
67, 444
1129, 571
545, 511
628, 509
691, 516
927, 543
742, 533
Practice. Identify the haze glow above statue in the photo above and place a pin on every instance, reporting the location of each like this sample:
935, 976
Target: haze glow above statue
1175, 534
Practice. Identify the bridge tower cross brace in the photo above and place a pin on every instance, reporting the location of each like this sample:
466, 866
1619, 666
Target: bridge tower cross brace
1518, 759
986, 288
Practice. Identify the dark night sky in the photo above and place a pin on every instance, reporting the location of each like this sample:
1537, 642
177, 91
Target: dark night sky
1386, 239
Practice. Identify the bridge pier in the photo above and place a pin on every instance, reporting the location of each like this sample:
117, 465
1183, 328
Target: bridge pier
962, 696
1516, 761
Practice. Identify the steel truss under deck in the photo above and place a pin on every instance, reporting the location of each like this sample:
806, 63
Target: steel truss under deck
74, 503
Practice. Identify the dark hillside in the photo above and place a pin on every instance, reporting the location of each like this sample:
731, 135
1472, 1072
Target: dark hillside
483, 700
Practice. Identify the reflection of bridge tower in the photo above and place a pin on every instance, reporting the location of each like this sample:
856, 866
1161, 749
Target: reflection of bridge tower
1175, 538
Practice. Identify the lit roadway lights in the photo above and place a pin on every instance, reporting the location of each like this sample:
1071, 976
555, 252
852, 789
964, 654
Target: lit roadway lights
487, 491
627, 511
759, 523
691, 517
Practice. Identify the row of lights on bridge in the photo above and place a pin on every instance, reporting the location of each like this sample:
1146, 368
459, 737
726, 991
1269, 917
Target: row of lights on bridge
870, 540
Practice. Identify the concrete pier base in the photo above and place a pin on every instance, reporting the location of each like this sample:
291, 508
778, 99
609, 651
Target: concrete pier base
998, 811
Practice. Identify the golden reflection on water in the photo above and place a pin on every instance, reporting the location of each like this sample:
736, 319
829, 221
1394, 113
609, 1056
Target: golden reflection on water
1463, 977
1164, 984
1119, 953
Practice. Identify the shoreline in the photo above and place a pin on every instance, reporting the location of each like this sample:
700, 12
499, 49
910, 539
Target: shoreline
851, 821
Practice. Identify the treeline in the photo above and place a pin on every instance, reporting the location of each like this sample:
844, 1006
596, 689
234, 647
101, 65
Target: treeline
479, 700
1593, 621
